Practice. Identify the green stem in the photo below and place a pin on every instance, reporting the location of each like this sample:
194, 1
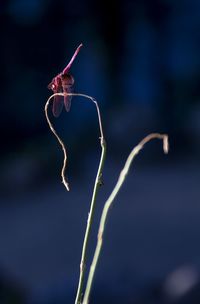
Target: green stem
92, 205
96, 185
109, 202
89, 223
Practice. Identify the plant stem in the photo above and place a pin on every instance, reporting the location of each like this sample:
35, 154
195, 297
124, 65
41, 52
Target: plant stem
96, 185
64, 181
109, 202
89, 223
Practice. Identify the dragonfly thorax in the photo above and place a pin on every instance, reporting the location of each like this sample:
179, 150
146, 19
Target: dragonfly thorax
67, 80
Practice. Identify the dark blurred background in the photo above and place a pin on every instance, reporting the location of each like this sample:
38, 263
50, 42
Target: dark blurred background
141, 61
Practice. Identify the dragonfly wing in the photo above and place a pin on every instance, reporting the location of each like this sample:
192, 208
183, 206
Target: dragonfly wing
57, 105
67, 100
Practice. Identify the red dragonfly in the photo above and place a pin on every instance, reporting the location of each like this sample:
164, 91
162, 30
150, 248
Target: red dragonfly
62, 83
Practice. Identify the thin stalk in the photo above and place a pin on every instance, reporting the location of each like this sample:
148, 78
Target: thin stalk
89, 224
64, 180
96, 185
109, 202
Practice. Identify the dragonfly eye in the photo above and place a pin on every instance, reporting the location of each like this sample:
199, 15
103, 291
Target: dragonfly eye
51, 86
